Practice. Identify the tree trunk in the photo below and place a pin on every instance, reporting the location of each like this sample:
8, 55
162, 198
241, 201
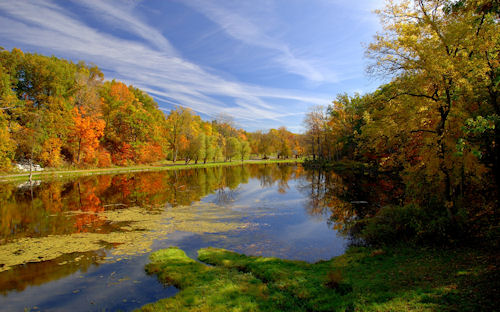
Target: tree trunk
79, 148
443, 112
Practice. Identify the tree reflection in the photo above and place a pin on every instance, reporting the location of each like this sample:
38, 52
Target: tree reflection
65, 207
348, 195
38, 273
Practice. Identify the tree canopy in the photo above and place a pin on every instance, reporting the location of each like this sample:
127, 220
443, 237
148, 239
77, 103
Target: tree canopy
59, 114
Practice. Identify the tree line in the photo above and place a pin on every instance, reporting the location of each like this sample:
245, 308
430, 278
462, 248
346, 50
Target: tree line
436, 124
63, 114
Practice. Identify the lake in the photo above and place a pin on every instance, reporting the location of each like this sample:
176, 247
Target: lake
82, 243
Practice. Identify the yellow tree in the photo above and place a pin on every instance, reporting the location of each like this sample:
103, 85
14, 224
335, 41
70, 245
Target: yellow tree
425, 47
178, 121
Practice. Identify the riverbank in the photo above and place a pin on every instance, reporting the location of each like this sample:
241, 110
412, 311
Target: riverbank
59, 173
363, 279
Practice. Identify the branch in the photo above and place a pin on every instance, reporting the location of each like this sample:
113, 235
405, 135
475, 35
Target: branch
423, 130
432, 97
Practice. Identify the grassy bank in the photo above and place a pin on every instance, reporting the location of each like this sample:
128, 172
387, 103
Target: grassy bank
364, 279
57, 173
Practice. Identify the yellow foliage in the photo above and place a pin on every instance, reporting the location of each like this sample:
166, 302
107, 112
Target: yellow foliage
51, 152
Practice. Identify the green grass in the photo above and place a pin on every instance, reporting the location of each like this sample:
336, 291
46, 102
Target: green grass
160, 166
364, 279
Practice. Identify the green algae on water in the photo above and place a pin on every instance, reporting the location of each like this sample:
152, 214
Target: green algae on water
138, 229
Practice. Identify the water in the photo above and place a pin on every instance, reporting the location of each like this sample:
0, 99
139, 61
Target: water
82, 244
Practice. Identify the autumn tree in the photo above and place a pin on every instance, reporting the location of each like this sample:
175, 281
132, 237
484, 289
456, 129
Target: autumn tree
210, 148
315, 122
245, 150
428, 47
87, 131
233, 148
176, 125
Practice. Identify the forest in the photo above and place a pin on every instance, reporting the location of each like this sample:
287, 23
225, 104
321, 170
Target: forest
435, 126
60, 114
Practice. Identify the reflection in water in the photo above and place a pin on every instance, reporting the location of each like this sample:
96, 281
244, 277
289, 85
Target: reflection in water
126, 213
38, 273
67, 228
348, 196
79, 206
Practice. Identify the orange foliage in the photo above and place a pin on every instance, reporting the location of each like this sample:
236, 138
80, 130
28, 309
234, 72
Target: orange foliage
121, 92
123, 155
103, 158
242, 136
148, 153
183, 142
86, 133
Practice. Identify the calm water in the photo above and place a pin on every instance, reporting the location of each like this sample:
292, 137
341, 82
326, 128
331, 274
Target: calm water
82, 244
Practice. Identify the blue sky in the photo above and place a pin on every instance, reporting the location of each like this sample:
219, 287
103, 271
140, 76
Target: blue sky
264, 62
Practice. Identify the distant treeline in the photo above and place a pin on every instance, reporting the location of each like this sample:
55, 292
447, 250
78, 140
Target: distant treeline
436, 125
60, 114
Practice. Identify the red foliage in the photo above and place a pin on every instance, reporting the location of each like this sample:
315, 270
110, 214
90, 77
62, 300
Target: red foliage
123, 154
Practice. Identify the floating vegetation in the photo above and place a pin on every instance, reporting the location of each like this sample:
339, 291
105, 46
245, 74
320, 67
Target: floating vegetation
137, 229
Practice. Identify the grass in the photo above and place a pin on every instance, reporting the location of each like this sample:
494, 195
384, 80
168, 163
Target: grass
160, 166
363, 279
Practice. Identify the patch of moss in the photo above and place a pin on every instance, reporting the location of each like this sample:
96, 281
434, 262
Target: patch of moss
235, 282
398, 279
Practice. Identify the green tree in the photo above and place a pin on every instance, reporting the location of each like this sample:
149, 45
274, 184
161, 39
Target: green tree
245, 150
233, 148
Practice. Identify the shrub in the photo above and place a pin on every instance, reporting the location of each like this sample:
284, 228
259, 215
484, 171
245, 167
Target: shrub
409, 223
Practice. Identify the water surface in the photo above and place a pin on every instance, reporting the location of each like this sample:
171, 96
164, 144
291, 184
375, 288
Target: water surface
81, 244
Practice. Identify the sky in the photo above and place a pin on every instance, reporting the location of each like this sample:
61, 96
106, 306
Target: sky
263, 62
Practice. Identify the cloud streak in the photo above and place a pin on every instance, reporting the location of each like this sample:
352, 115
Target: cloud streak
244, 29
148, 61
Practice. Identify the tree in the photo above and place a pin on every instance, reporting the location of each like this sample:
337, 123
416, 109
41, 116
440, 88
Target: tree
132, 122
233, 148
266, 145
315, 121
210, 148
177, 122
87, 131
244, 150
426, 46
200, 147
6, 143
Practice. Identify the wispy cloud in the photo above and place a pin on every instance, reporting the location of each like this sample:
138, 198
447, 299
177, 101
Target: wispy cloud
122, 14
251, 32
147, 60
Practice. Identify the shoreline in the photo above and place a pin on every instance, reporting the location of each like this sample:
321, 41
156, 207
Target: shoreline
50, 174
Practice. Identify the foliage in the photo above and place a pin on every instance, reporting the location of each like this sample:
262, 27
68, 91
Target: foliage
233, 148
60, 113
410, 224
435, 124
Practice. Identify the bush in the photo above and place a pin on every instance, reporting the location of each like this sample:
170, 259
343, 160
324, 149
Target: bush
409, 223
